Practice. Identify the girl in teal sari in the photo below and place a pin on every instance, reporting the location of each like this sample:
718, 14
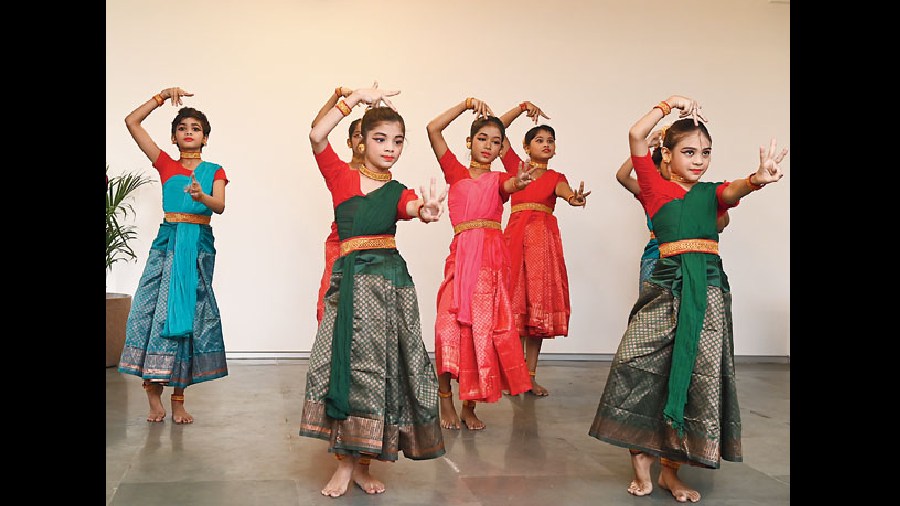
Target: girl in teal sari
174, 331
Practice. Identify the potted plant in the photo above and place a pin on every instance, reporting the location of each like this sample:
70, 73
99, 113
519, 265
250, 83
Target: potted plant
119, 194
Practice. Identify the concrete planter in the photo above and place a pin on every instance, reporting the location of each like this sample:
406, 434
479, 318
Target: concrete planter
117, 307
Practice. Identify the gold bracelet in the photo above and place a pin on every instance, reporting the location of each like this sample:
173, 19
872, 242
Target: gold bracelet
754, 187
343, 107
468, 103
664, 107
159, 100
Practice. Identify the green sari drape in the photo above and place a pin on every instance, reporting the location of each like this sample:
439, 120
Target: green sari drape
695, 220
373, 214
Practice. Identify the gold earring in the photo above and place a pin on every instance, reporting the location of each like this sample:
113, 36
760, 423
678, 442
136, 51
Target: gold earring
468, 145
361, 148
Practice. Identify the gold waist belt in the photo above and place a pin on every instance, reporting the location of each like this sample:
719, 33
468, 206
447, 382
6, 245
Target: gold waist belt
367, 242
466, 225
688, 246
532, 206
199, 219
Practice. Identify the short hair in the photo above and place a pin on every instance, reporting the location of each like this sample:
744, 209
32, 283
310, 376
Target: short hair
190, 112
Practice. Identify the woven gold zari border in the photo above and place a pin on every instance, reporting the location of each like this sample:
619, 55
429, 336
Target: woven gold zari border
688, 246
199, 219
367, 242
531, 206
467, 225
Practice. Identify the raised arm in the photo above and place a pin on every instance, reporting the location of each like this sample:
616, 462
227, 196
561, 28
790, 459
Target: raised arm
532, 111
436, 126
338, 93
318, 135
769, 171
136, 117
638, 133
524, 176
623, 175
575, 198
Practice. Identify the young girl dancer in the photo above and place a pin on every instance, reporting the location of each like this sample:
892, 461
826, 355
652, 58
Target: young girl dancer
671, 392
651, 251
371, 391
174, 331
476, 342
539, 282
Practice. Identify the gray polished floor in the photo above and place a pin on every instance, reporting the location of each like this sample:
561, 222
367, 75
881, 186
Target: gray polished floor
243, 448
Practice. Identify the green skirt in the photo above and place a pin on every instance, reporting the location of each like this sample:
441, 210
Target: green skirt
393, 387
630, 413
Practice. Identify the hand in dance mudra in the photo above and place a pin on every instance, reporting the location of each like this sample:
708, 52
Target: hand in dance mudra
373, 97
433, 207
579, 198
525, 174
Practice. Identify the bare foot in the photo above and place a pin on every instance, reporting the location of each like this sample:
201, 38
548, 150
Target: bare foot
668, 479
449, 418
154, 393
339, 481
642, 484
467, 414
179, 415
538, 390
364, 480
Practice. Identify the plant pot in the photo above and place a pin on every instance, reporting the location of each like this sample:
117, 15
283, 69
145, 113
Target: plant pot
117, 307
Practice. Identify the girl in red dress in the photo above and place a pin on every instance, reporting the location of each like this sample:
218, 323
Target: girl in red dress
476, 341
539, 283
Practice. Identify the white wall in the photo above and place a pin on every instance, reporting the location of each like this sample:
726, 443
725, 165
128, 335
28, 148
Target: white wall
261, 70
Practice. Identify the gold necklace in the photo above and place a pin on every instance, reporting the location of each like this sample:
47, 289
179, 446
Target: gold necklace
679, 179
190, 154
478, 165
538, 165
377, 176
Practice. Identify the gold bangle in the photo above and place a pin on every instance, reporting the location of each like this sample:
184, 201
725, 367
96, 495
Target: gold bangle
159, 100
468, 103
753, 186
664, 107
343, 107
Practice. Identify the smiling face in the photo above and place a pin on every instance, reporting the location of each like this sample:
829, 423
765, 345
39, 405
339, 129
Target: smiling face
384, 144
690, 156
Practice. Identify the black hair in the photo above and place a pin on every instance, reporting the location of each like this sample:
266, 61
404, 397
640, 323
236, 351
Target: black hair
353, 127
531, 134
479, 123
677, 131
190, 112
